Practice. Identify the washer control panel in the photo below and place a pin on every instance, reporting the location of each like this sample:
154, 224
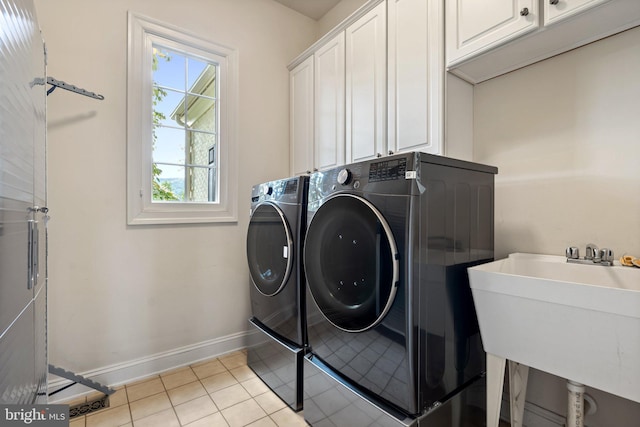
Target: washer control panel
388, 170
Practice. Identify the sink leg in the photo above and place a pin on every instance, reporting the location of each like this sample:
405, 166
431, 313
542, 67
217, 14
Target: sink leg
495, 381
518, 376
575, 407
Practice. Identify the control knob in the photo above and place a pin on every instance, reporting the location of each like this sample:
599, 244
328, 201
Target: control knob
344, 176
267, 191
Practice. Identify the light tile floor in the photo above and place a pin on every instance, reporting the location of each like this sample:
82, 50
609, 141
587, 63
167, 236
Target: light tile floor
219, 392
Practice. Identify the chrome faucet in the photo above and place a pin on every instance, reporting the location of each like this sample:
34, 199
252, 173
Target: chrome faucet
594, 255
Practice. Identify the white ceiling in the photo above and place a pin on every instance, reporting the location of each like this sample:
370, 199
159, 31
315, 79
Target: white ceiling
314, 9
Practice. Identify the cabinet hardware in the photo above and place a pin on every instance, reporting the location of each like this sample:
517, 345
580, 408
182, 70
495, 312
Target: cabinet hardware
36, 209
554, 2
32, 253
390, 152
525, 11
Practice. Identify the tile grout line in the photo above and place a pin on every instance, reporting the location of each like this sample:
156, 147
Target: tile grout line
126, 393
173, 407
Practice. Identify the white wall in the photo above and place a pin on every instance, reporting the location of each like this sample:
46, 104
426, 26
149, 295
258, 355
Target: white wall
564, 134
458, 118
121, 294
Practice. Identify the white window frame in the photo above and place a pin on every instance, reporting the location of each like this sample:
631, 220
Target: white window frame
143, 32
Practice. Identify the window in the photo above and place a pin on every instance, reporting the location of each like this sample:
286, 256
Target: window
182, 93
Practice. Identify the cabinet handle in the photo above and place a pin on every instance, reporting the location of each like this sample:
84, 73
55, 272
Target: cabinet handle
315, 169
378, 155
554, 1
308, 172
32, 254
390, 152
525, 11
35, 209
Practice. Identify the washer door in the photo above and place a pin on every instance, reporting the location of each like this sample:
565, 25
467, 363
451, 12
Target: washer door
351, 263
269, 249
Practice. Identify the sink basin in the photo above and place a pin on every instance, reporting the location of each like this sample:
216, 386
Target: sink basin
579, 322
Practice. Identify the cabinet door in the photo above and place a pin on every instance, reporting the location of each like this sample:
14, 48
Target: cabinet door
415, 71
329, 104
557, 10
301, 119
474, 26
366, 63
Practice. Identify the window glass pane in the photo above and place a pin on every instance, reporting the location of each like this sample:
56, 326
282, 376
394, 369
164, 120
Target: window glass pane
198, 184
195, 68
168, 106
201, 113
214, 177
168, 68
168, 183
199, 146
205, 82
210, 89
169, 145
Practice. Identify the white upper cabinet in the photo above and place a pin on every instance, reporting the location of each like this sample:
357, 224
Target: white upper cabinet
372, 86
415, 75
557, 10
366, 85
329, 104
301, 117
485, 39
475, 26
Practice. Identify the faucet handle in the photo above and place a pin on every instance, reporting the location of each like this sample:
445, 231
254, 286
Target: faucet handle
572, 252
592, 252
606, 255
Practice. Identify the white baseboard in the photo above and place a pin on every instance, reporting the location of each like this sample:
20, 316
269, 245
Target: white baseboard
137, 369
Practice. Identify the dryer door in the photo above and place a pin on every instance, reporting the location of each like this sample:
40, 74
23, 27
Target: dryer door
351, 262
269, 249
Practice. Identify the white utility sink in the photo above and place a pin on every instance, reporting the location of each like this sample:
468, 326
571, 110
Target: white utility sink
580, 322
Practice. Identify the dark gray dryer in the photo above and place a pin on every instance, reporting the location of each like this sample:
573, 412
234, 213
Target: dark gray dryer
274, 242
391, 322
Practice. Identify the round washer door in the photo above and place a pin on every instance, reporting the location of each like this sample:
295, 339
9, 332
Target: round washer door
269, 249
351, 263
